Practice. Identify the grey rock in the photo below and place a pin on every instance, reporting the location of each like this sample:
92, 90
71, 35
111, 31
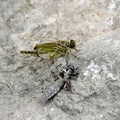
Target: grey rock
95, 25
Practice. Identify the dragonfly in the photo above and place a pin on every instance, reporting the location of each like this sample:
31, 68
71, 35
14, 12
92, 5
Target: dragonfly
54, 49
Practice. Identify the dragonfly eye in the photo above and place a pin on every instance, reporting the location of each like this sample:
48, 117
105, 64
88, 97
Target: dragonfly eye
72, 44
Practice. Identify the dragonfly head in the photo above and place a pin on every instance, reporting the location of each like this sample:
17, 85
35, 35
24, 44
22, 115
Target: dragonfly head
72, 44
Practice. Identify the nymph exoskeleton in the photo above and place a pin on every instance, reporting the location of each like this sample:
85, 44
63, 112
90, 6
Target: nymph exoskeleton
64, 81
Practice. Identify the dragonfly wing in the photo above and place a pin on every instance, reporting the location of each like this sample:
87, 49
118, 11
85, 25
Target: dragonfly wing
45, 48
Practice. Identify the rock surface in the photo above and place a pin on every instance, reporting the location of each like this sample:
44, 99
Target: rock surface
95, 95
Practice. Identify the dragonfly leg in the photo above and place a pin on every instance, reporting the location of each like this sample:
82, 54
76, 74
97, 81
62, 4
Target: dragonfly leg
51, 57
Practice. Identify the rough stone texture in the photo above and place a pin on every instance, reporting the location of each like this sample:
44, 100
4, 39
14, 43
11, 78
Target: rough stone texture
95, 95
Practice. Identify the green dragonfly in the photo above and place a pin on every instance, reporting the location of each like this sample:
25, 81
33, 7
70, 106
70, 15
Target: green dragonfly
54, 49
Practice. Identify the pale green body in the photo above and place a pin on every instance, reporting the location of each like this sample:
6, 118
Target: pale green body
53, 49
